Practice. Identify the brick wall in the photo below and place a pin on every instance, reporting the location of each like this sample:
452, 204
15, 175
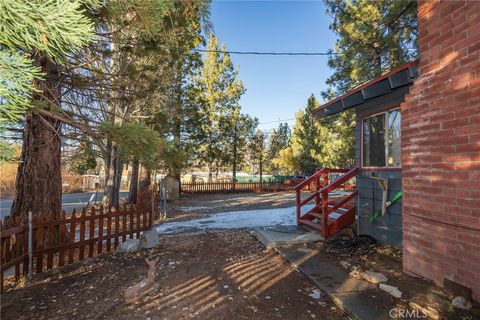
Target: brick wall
441, 148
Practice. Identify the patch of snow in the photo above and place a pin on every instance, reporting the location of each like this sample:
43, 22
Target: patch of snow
235, 220
391, 289
192, 208
315, 294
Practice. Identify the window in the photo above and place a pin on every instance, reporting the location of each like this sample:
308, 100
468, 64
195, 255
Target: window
381, 140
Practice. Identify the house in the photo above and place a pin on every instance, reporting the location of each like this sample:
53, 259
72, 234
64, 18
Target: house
419, 127
378, 149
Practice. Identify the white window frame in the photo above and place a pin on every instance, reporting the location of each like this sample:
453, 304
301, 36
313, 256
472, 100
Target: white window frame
386, 167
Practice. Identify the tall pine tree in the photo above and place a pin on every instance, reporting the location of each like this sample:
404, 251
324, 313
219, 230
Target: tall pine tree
219, 115
374, 36
279, 139
305, 136
46, 31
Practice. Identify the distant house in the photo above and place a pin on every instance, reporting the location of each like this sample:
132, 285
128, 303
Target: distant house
419, 127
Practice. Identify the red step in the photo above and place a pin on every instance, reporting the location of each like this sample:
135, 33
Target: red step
311, 224
347, 216
345, 219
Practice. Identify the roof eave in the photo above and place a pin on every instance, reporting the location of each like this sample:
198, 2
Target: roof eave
395, 78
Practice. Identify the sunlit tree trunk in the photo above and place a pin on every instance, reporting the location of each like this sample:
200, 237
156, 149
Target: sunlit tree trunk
144, 180
38, 185
132, 194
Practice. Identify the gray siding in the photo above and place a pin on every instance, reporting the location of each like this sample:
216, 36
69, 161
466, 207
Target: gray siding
388, 228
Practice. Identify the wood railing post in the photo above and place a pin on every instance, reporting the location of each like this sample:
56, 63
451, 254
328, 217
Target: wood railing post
325, 214
298, 203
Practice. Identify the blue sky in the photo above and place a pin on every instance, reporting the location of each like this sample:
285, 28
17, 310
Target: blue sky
277, 86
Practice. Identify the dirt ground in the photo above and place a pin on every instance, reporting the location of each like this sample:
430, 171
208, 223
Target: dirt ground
388, 261
222, 275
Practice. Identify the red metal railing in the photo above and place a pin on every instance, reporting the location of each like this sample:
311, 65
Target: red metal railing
325, 206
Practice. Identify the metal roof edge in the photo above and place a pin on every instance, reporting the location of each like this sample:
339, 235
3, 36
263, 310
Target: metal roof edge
367, 84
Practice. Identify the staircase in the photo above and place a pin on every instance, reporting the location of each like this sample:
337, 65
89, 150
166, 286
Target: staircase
331, 212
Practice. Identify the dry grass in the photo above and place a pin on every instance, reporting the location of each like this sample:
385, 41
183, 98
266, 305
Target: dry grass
8, 173
72, 182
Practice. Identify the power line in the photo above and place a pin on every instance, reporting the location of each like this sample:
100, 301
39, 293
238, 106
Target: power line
270, 53
277, 121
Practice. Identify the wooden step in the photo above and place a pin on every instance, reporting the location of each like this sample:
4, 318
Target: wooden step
345, 219
316, 214
311, 224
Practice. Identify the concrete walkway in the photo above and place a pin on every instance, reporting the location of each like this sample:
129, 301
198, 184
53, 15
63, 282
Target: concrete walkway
285, 235
360, 299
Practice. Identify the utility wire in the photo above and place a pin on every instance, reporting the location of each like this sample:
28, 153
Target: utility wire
277, 121
270, 53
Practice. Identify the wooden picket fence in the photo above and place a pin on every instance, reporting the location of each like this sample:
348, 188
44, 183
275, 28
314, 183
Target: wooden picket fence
59, 240
228, 186
149, 199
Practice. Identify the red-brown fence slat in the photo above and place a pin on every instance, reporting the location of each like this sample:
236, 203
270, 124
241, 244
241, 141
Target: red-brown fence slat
40, 239
117, 227
18, 253
91, 234
51, 239
62, 229
109, 229
100, 217
25, 246
81, 253
145, 222
137, 213
150, 219
6, 245
124, 225
71, 249
131, 213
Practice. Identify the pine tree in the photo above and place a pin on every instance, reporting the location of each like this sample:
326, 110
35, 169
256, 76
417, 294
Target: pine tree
238, 131
305, 136
327, 142
219, 113
373, 37
279, 139
286, 163
46, 31
258, 151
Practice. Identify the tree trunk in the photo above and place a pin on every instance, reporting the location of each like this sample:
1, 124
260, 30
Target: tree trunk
117, 182
261, 170
132, 194
107, 161
210, 173
110, 178
38, 185
144, 180
234, 163
177, 131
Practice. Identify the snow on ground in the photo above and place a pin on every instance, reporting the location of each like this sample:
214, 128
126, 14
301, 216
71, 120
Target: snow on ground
235, 220
192, 208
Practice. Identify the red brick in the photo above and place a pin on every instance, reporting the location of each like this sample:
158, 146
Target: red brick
441, 147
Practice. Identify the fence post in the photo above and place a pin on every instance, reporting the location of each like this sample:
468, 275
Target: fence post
163, 200
30, 245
